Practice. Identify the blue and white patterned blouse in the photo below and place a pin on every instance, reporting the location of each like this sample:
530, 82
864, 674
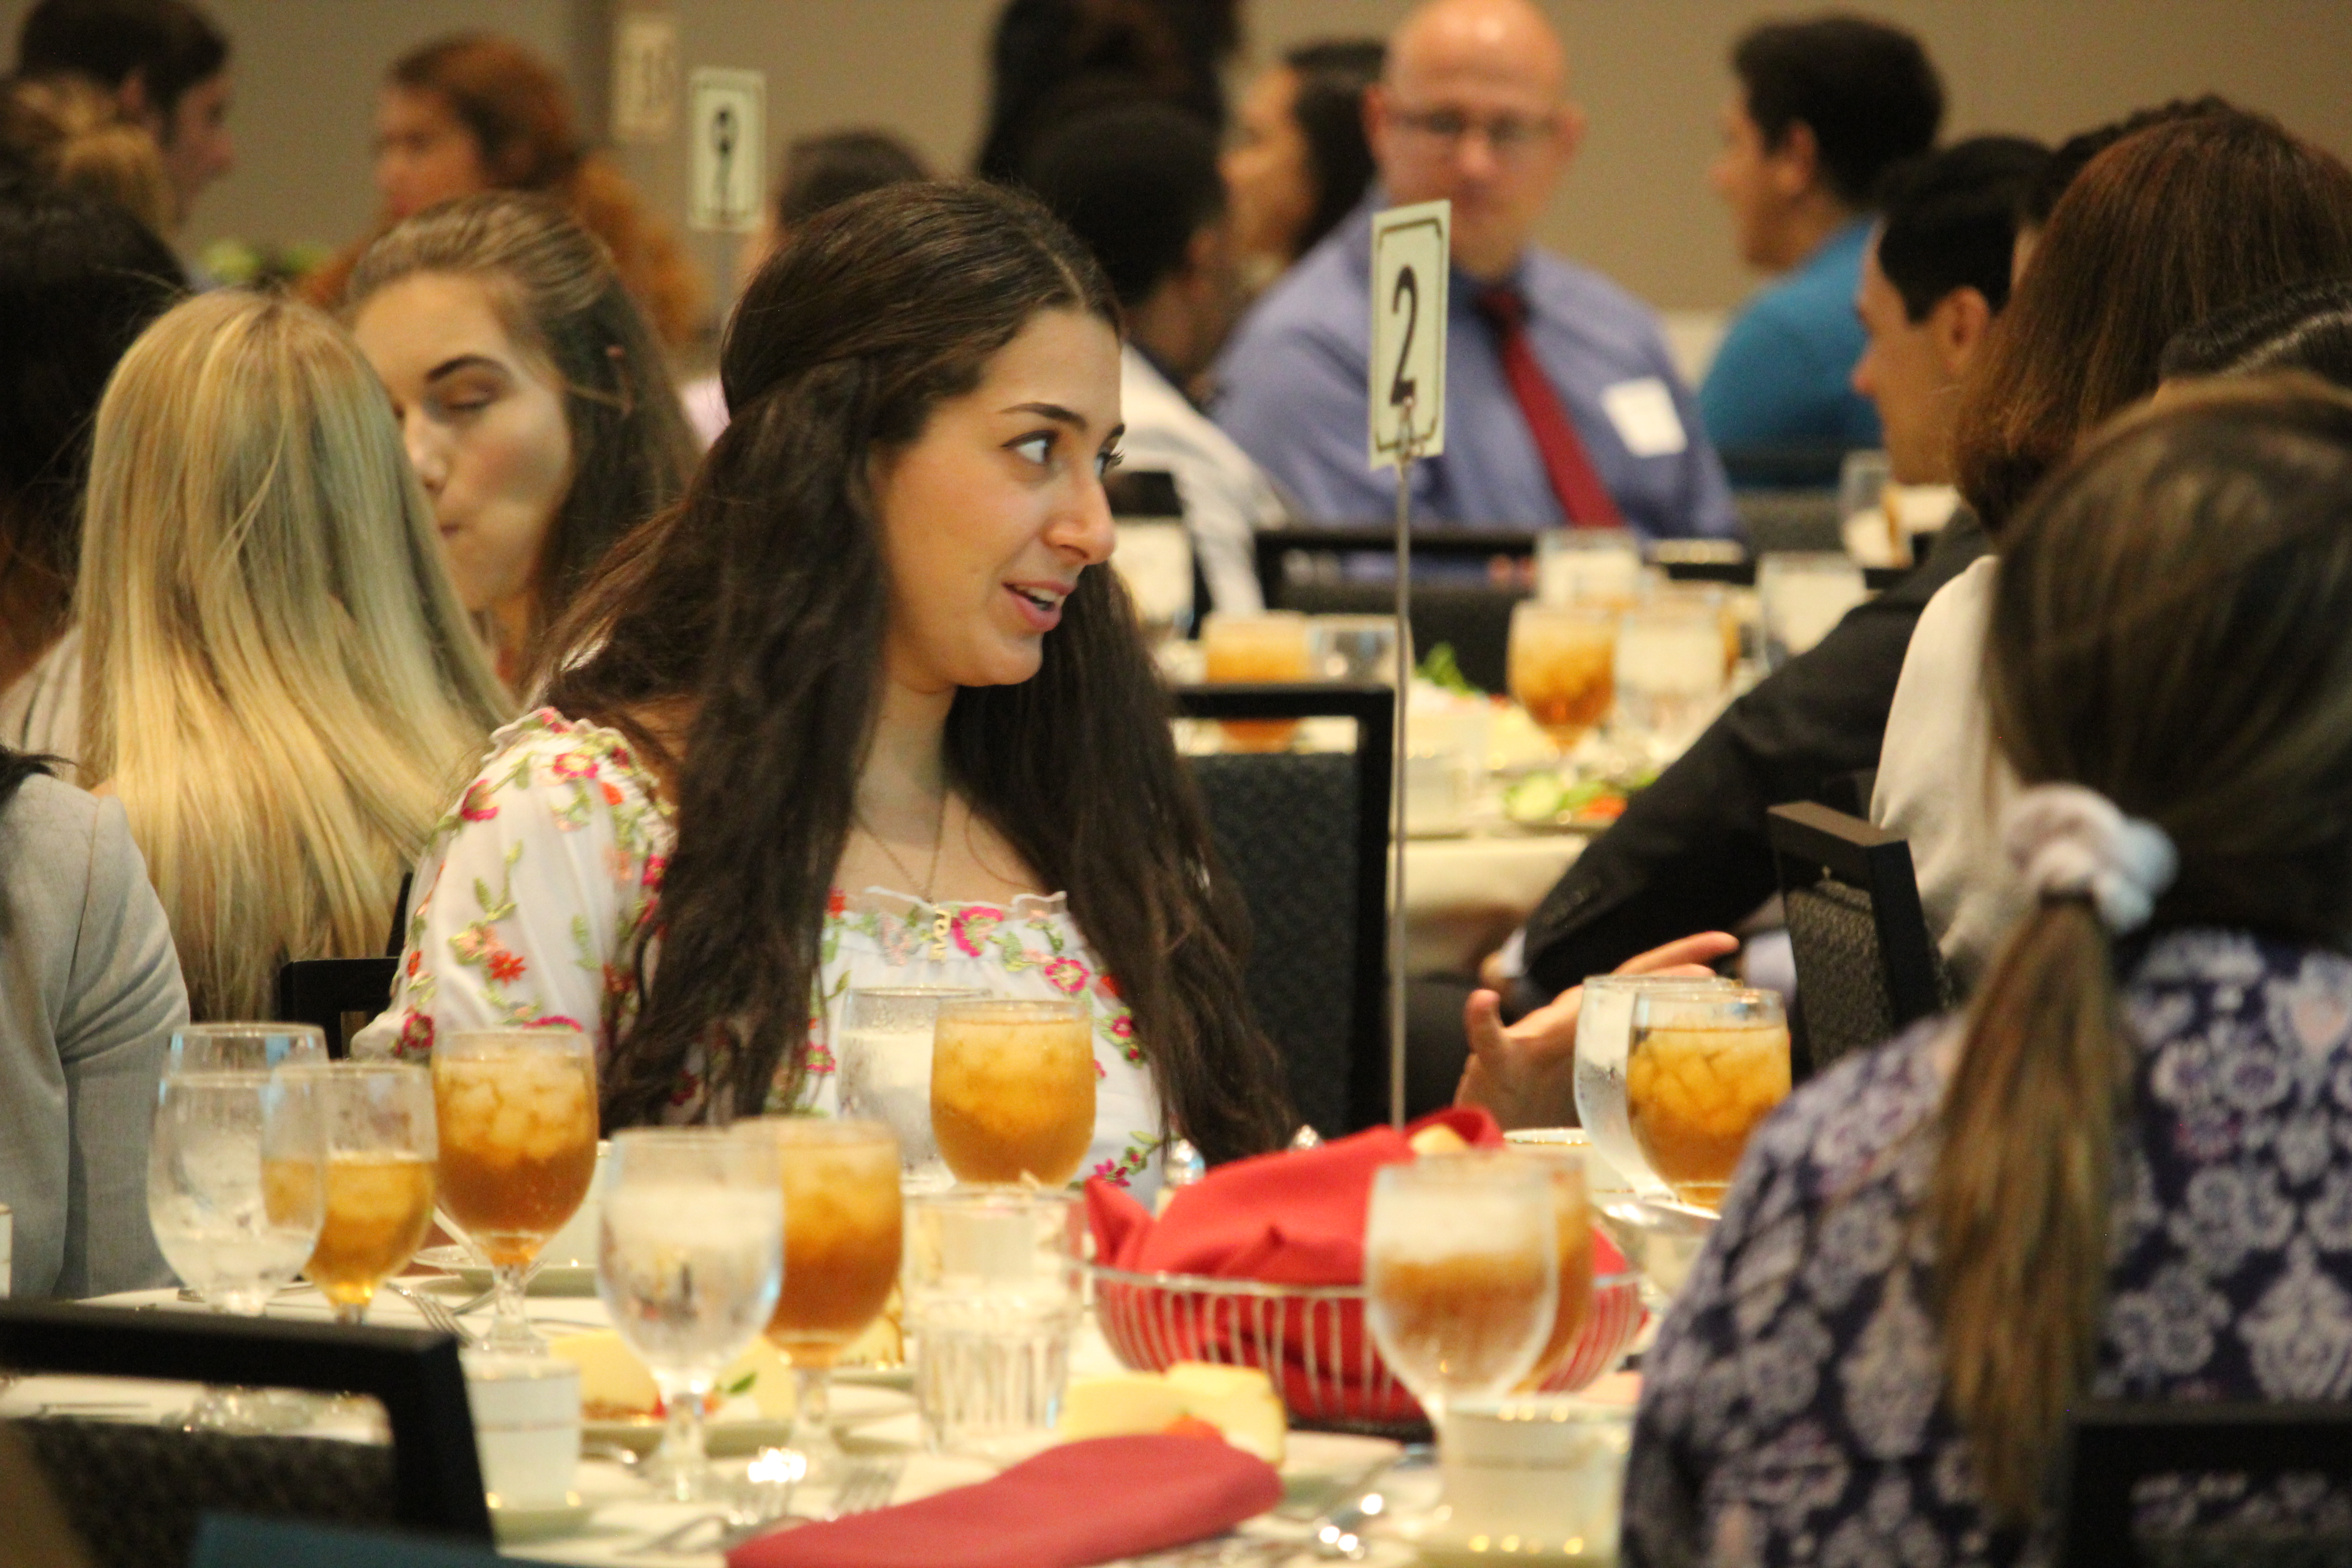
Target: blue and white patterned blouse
1793, 1409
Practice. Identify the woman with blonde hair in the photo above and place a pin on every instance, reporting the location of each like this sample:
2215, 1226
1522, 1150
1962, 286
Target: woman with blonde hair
474, 112
2122, 1174
280, 681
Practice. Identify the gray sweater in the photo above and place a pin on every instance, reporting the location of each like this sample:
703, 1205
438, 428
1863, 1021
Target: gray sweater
89, 991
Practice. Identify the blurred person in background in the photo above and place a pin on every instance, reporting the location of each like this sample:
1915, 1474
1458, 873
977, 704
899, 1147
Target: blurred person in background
867, 704
476, 112
1564, 406
89, 993
2119, 1175
2168, 225
821, 170
1139, 185
65, 133
1050, 58
166, 64
79, 279
1690, 853
535, 404
1825, 108
1298, 162
279, 683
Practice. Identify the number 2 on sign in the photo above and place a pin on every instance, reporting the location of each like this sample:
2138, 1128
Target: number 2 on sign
1406, 369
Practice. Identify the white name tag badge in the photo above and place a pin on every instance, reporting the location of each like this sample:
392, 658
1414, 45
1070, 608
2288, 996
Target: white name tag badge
1643, 413
1411, 260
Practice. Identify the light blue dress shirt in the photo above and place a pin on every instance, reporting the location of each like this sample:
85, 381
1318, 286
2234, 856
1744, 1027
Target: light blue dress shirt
1292, 393
1778, 400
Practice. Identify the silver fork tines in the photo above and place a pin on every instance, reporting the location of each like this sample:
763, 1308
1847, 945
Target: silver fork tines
433, 1311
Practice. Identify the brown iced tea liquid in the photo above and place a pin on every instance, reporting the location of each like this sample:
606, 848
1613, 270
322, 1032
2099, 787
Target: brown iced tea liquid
1013, 1097
1695, 1095
1464, 1317
842, 1247
1575, 1285
517, 1146
378, 1207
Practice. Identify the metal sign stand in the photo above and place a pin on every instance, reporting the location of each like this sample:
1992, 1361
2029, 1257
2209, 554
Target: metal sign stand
1409, 443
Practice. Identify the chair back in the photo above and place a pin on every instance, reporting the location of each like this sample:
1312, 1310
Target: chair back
134, 1493
1304, 837
1864, 965
324, 991
2246, 1485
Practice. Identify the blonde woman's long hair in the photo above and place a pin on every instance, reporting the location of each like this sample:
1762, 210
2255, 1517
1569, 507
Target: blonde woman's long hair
2172, 628
279, 680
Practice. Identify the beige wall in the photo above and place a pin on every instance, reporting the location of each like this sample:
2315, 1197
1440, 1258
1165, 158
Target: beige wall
1651, 73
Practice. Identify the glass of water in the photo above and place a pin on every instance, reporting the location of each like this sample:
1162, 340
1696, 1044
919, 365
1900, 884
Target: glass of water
992, 1283
237, 1185
883, 1060
1670, 673
243, 1048
1803, 595
690, 1259
1604, 1029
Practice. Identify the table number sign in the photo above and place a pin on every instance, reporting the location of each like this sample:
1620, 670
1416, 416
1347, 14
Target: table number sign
727, 131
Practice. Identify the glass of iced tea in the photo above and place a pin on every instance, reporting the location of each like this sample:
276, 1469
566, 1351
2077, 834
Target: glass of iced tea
518, 1128
1461, 1274
1012, 1090
1563, 664
1572, 1212
1248, 651
1704, 1067
381, 1149
844, 1220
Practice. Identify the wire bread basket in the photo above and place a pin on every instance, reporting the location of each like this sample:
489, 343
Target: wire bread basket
1310, 1340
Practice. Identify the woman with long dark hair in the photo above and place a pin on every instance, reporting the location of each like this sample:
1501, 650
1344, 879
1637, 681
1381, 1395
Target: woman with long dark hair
867, 707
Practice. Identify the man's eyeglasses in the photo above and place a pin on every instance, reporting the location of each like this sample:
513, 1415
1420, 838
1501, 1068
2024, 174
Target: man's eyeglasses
1509, 136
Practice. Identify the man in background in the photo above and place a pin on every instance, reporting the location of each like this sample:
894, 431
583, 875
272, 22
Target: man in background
1563, 407
165, 63
1139, 184
1825, 108
1690, 853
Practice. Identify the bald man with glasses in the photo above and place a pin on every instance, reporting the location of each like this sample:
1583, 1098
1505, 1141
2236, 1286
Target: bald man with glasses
1564, 407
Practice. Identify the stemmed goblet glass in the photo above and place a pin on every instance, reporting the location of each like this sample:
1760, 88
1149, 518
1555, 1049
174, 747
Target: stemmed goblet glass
517, 1110
380, 1153
689, 1261
1461, 1274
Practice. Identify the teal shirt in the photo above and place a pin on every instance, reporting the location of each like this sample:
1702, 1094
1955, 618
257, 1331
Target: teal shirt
1779, 401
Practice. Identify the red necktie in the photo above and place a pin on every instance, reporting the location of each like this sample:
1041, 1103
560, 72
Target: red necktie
1583, 496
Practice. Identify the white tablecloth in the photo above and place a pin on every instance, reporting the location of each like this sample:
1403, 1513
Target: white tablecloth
1463, 896
623, 1517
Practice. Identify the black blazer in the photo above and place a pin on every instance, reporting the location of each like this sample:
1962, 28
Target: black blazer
1689, 854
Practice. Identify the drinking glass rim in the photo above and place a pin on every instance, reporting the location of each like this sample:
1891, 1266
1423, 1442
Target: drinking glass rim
1663, 983
1574, 610
1015, 1195
836, 1131
374, 1067
916, 993
1466, 1167
1743, 997
1055, 1007
463, 1041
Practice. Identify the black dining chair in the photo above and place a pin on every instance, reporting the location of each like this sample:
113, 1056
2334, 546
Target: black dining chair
1305, 837
2177, 1485
324, 992
134, 1492
1865, 967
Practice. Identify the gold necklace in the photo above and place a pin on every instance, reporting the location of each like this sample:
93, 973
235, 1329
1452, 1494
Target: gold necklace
939, 838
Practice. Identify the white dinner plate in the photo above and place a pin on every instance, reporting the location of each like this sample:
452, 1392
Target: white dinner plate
552, 1278
1317, 1465
725, 1436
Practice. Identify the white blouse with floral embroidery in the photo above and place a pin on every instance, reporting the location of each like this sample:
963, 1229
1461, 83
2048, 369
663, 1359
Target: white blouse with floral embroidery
530, 896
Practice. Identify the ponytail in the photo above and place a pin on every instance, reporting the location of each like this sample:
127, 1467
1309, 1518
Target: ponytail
2019, 1201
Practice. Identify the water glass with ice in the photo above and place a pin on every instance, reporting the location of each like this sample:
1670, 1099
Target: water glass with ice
230, 1232
992, 1286
883, 1061
1604, 1027
689, 1263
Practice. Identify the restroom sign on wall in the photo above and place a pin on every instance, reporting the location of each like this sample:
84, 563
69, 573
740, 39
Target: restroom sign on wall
727, 163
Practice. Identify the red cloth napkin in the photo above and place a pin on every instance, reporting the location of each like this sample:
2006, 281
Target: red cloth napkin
1297, 1218
1081, 1503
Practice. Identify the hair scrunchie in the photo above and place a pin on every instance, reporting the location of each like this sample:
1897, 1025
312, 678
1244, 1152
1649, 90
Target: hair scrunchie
2067, 841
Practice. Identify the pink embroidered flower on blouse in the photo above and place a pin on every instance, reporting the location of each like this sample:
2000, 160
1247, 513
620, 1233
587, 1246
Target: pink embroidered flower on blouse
1122, 1027
973, 926
415, 1035
1067, 975
817, 1059
474, 806
1111, 1171
553, 1021
474, 942
651, 877
573, 765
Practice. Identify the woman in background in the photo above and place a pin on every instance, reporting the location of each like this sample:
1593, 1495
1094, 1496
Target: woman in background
536, 407
79, 279
89, 991
279, 683
2121, 1174
1299, 162
477, 112
867, 708
75, 138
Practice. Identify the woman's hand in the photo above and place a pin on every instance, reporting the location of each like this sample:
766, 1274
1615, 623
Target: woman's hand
1525, 1075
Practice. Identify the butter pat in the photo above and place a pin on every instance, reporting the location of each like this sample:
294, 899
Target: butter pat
1123, 1405
1238, 1401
